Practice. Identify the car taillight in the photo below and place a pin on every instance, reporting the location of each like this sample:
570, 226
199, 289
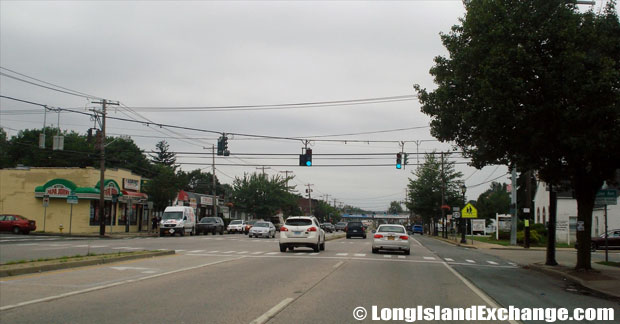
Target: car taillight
283, 229
378, 236
404, 237
312, 229
345, 228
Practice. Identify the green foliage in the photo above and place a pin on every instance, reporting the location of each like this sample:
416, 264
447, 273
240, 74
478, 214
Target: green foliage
163, 156
425, 190
534, 237
261, 196
494, 200
324, 212
395, 208
536, 84
162, 187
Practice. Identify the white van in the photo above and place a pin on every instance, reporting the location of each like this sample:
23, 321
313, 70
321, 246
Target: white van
178, 219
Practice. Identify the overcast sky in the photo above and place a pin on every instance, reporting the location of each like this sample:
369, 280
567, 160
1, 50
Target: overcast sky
209, 53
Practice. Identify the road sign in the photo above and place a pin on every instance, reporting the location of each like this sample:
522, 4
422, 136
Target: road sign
46, 201
456, 214
606, 197
72, 200
469, 211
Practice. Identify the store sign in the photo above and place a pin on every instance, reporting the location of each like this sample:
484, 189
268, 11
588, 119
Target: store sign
131, 184
110, 190
206, 200
192, 202
58, 190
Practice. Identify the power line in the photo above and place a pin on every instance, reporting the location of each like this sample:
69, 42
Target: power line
45, 82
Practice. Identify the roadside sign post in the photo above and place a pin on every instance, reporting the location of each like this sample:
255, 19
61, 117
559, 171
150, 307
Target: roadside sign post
71, 200
469, 212
46, 202
606, 197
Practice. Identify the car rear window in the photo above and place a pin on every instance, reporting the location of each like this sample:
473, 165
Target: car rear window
298, 222
235, 222
207, 220
354, 225
391, 229
261, 225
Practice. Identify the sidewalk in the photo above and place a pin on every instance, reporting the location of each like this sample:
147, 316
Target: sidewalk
602, 279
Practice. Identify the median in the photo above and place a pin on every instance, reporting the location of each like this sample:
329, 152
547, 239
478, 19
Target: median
15, 268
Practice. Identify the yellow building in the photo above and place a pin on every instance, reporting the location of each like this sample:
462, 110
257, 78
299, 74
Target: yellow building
67, 199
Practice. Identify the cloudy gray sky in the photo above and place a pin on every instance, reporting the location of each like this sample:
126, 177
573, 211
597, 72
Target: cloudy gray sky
211, 53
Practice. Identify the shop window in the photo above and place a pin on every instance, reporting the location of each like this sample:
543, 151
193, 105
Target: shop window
122, 216
94, 213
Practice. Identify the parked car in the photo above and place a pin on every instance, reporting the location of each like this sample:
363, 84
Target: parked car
613, 240
302, 231
391, 237
417, 229
328, 227
17, 224
340, 226
236, 226
263, 229
249, 224
178, 219
355, 229
210, 225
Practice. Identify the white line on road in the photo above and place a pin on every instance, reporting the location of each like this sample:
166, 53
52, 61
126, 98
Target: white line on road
401, 256
416, 241
449, 260
338, 264
470, 261
387, 256
259, 252
271, 253
213, 251
179, 251
118, 283
475, 289
242, 252
512, 264
429, 258
360, 254
196, 251
272, 312
491, 262
342, 254
229, 252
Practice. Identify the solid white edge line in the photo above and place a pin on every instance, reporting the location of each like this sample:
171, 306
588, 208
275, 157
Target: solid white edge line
477, 291
272, 312
77, 292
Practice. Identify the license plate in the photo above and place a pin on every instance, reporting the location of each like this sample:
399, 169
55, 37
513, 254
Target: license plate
171, 231
355, 231
391, 238
297, 233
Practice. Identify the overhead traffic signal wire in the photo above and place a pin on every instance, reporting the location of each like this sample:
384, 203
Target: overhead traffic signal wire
58, 89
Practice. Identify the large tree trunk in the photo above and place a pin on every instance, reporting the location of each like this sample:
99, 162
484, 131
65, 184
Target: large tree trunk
585, 191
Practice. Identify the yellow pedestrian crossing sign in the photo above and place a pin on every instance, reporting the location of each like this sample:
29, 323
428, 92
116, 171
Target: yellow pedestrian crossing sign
469, 211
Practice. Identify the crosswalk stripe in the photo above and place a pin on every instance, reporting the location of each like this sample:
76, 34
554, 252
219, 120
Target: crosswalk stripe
360, 254
471, 261
242, 252
429, 258
271, 253
213, 251
259, 252
491, 262
449, 260
342, 254
196, 251
315, 253
401, 256
229, 252
387, 256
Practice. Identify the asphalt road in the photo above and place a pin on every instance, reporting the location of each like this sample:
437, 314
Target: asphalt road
235, 279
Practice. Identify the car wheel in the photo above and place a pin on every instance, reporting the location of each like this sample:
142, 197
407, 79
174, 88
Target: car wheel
222, 232
348, 236
291, 248
182, 232
322, 246
374, 250
364, 236
214, 231
282, 248
316, 247
16, 230
407, 252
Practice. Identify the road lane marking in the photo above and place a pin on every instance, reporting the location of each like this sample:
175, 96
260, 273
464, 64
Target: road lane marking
314, 253
387, 256
259, 252
449, 260
118, 283
272, 312
196, 251
242, 252
512, 264
360, 254
429, 258
470, 261
229, 252
401, 256
179, 251
213, 251
271, 253
416, 241
342, 254
475, 289
338, 264
491, 262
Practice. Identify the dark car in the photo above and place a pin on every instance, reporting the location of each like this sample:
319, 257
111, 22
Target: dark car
340, 226
417, 229
328, 227
210, 225
613, 240
355, 229
16, 224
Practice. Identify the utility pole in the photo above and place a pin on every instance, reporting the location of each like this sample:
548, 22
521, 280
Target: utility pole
513, 204
286, 172
553, 207
527, 211
102, 224
214, 191
309, 191
263, 168
444, 232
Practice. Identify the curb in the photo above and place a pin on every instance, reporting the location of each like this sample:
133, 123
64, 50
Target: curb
82, 263
106, 236
454, 243
548, 270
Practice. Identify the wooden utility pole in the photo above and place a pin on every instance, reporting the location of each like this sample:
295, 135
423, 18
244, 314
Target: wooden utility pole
214, 191
309, 191
286, 172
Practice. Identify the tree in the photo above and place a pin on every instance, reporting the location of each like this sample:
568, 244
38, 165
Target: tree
533, 84
122, 152
163, 156
395, 208
162, 187
494, 200
425, 190
5, 161
260, 195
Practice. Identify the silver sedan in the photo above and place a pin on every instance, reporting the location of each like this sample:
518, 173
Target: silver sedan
391, 237
263, 229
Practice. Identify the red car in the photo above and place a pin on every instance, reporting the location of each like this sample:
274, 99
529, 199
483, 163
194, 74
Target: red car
16, 224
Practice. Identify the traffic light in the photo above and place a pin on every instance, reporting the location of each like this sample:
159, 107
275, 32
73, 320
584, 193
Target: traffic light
308, 157
406, 160
399, 164
220, 146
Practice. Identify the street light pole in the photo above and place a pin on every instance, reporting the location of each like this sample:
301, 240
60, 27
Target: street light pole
463, 239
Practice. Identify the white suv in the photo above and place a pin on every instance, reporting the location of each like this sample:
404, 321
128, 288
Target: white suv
236, 226
302, 231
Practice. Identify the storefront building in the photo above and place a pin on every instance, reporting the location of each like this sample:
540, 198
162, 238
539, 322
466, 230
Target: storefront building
202, 204
66, 200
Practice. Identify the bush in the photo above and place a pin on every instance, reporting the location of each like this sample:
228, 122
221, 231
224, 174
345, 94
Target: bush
540, 228
534, 236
